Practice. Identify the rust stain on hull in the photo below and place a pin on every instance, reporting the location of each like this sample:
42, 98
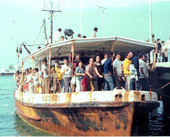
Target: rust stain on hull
82, 121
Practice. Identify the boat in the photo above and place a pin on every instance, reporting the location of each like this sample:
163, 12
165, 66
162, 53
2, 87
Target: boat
89, 113
7, 72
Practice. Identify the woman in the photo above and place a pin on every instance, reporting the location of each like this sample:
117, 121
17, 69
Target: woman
80, 73
100, 81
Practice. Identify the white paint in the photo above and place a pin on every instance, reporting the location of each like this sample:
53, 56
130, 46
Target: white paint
82, 97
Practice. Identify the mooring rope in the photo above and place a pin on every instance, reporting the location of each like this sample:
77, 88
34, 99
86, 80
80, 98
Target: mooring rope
163, 86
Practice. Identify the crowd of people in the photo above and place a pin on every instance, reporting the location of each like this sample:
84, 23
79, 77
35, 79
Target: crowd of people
131, 73
58, 37
162, 49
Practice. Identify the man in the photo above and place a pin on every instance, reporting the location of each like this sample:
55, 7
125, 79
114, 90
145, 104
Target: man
117, 69
135, 62
126, 69
57, 80
144, 75
44, 75
61, 38
66, 73
164, 52
92, 72
76, 61
158, 50
36, 80
105, 58
153, 40
79, 35
133, 77
57, 35
167, 45
108, 70
17, 78
93, 35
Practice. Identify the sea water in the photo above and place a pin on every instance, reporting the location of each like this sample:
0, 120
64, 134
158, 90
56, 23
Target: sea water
12, 125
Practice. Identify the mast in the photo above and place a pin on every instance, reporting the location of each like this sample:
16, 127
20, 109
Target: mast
45, 29
51, 11
102, 9
80, 16
150, 22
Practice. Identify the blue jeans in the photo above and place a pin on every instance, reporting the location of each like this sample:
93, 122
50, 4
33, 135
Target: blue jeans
132, 84
145, 83
108, 82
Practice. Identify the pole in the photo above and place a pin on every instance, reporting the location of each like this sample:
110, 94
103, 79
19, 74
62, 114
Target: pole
52, 27
72, 51
150, 21
18, 59
80, 16
102, 22
49, 67
22, 78
102, 9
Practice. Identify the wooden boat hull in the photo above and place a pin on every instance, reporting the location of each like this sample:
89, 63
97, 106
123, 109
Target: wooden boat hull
84, 119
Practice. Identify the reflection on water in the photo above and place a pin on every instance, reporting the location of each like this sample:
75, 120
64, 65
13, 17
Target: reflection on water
156, 126
23, 129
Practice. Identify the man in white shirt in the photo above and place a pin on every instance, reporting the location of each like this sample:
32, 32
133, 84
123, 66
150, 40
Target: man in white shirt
36, 80
93, 35
44, 75
117, 70
167, 45
144, 75
57, 35
66, 73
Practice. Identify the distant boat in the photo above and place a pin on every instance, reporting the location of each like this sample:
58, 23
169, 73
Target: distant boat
90, 113
7, 72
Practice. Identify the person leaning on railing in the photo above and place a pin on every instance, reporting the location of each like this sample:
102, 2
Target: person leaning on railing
66, 74
126, 69
57, 77
44, 75
92, 72
80, 73
35, 80
108, 72
144, 75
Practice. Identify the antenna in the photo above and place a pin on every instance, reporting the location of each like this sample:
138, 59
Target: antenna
102, 9
150, 21
51, 11
81, 17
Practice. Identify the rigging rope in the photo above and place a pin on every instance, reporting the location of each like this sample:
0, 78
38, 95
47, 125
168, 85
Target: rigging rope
37, 36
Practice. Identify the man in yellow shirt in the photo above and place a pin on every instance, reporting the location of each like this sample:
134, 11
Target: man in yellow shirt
126, 69
57, 80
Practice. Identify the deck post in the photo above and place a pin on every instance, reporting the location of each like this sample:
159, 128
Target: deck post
32, 73
22, 77
72, 59
112, 46
49, 67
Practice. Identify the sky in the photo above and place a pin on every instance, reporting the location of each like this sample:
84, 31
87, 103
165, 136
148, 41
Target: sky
21, 21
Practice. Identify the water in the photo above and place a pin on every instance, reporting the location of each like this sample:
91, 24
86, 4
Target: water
12, 125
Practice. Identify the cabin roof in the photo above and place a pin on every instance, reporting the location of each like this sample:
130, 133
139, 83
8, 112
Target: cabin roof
89, 46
